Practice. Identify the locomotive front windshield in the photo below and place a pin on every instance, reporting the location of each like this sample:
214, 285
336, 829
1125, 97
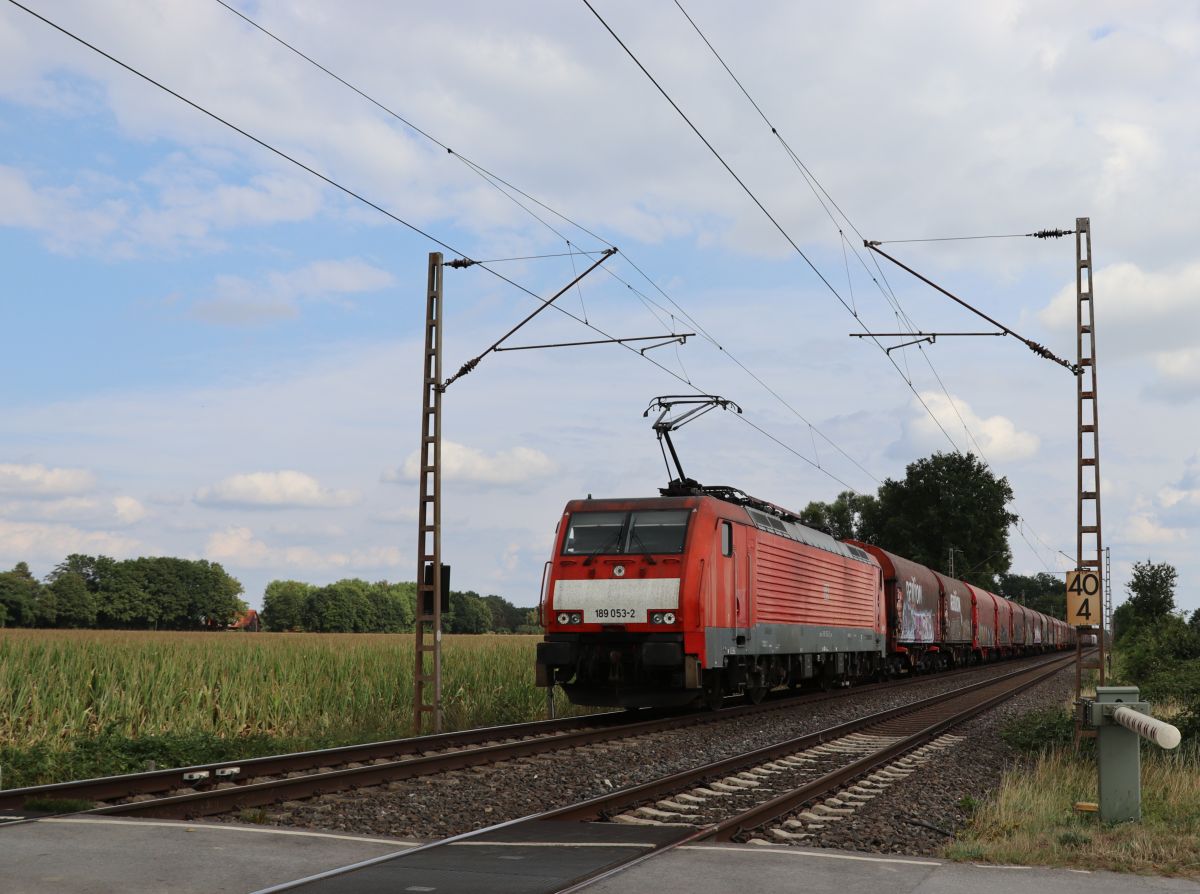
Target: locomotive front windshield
641, 531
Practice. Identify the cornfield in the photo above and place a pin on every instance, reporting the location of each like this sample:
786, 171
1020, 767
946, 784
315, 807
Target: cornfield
57, 687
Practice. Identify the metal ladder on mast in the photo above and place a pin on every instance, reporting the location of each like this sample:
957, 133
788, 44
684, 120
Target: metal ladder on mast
427, 671
1089, 546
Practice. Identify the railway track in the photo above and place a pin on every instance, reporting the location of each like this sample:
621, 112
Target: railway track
208, 789
778, 794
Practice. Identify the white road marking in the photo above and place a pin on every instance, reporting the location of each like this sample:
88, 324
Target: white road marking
999, 866
223, 827
550, 844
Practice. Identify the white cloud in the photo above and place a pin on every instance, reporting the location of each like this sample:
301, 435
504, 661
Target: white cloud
1171, 515
997, 436
1178, 376
177, 206
237, 300
992, 85
65, 509
52, 542
1179, 503
1141, 528
461, 463
1143, 314
285, 489
397, 516
1132, 149
38, 481
91, 512
238, 546
128, 509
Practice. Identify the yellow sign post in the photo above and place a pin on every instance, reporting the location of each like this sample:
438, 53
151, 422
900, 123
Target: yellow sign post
1084, 607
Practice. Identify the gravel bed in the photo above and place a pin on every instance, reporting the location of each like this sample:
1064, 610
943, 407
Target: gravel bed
446, 804
940, 794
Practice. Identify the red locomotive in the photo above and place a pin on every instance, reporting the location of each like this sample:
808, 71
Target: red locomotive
706, 591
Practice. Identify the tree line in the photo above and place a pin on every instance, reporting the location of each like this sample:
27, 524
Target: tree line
1159, 647
164, 593
97, 591
948, 504
356, 606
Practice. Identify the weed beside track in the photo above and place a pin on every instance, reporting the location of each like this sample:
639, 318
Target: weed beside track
76, 704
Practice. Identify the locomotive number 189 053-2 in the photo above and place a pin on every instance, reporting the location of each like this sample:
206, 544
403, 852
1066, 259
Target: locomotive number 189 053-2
610, 613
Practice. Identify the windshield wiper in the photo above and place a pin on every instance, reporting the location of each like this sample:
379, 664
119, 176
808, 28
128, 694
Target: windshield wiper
634, 535
613, 541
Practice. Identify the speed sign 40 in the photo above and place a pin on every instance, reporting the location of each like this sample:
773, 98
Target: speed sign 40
1083, 598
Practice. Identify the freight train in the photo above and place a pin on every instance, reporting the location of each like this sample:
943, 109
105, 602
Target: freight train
705, 592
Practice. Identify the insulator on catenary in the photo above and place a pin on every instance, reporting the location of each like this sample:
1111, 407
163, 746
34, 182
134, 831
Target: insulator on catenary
466, 368
1051, 234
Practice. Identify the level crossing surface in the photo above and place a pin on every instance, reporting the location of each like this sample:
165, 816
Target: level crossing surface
103, 855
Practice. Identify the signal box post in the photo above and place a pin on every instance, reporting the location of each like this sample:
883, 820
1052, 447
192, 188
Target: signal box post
1119, 718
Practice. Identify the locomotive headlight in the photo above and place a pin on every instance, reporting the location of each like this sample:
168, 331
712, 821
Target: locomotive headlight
656, 618
577, 617
669, 618
564, 618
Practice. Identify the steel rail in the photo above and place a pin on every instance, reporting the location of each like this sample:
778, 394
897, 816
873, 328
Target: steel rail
549, 733
624, 799
257, 794
780, 807
154, 781
602, 807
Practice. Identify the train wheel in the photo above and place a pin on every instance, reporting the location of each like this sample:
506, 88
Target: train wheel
755, 694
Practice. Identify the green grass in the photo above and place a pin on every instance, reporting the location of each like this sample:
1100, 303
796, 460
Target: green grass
75, 704
1031, 819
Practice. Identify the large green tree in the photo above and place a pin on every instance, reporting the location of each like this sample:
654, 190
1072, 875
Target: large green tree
75, 603
159, 592
947, 500
1151, 589
392, 606
284, 604
1042, 592
468, 613
506, 617
77, 563
341, 607
19, 591
843, 518
1151, 597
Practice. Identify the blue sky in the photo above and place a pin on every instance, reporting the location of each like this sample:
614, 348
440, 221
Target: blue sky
210, 353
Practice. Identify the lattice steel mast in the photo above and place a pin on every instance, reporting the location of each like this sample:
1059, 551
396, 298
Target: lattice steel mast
427, 671
1089, 542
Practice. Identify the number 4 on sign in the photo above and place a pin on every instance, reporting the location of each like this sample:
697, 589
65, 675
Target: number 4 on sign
1083, 598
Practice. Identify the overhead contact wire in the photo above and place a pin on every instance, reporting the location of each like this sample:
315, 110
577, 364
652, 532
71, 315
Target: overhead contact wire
392, 216
814, 185
322, 177
889, 294
767, 213
504, 186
